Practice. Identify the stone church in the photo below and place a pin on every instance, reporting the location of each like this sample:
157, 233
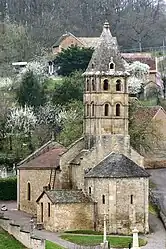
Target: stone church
100, 174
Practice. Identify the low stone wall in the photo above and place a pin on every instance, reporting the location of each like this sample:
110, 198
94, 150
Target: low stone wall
163, 218
155, 164
21, 235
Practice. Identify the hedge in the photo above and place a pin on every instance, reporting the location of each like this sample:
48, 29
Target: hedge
8, 188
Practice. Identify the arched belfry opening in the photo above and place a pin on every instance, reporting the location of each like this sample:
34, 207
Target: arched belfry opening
117, 110
93, 85
106, 110
88, 110
93, 110
105, 85
118, 85
87, 85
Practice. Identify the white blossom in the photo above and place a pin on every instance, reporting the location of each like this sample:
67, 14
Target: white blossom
38, 69
138, 76
5, 82
21, 120
48, 114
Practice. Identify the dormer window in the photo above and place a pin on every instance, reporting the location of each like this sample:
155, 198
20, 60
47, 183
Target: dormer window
111, 66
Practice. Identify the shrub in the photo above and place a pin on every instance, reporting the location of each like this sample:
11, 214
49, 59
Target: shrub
8, 188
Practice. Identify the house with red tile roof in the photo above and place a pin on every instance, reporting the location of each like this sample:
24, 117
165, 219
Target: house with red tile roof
145, 58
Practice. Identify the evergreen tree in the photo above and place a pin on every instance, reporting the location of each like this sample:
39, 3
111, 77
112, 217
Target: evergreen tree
30, 91
69, 89
72, 59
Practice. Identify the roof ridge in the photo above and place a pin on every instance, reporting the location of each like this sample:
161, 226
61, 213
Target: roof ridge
43, 149
116, 165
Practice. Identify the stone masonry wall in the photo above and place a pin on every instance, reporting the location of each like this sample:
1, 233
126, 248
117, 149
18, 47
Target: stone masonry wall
136, 157
104, 145
66, 216
37, 179
23, 236
66, 158
123, 214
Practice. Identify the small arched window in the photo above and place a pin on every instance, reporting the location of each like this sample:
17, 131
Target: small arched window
111, 65
117, 110
105, 86
92, 66
106, 110
103, 199
93, 109
49, 209
131, 199
118, 85
87, 109
28, 192
88, 85
93, 85
90, 191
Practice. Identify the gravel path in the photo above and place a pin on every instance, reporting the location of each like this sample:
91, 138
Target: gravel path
157, 239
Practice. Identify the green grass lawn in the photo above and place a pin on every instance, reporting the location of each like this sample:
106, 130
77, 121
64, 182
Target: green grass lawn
92, 240
51, 245
9, 242
153, 209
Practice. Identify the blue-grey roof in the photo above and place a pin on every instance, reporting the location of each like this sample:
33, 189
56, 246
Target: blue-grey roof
106, 52
116, 166
66, 196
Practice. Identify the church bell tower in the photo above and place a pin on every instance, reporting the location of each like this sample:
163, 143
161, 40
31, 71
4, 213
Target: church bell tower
106, 90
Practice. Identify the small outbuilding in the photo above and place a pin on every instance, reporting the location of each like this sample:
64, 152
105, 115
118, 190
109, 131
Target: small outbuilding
65, 210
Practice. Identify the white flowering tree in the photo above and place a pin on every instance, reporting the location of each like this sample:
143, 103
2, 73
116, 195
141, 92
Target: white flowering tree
71, 120
48, 121
5, 82
138, 76
38, 67
20, 124
21, 120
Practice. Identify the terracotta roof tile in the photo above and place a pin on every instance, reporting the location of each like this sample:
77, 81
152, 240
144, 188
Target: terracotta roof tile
146, 112
143, 58
49, 159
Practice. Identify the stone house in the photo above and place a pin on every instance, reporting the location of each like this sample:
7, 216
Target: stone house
101, 166
156, 114
68, 40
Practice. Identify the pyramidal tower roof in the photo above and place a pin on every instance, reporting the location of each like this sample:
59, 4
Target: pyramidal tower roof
106, 54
